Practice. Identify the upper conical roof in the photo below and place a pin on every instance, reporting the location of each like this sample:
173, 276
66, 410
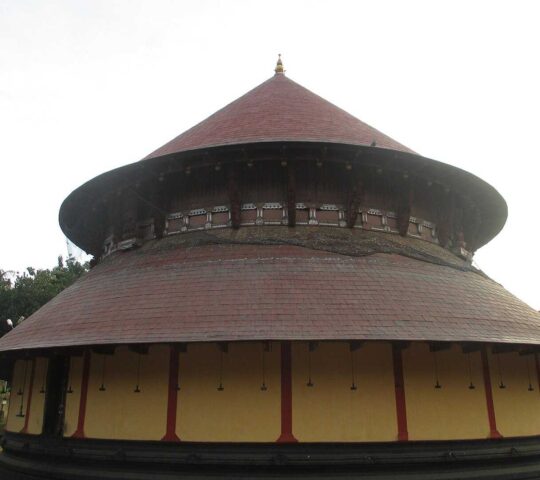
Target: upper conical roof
279, 109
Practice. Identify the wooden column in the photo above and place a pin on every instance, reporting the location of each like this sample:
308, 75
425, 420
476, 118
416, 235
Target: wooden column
399, 386
405, 199
79, 433
286, 394
233, 188
291, 194
493, 432
172, 400
29, 398
354, 199
445, 214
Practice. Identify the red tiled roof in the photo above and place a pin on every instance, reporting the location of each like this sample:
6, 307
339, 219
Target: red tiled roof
278, 110
249, 292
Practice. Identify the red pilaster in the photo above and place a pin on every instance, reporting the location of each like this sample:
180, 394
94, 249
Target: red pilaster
29, 398
399, 385
172, 401
79, 433
493, 432
286, 395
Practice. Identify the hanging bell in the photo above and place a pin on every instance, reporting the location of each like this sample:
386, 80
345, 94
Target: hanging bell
352, 348
530, 389
222, 347
501, 383
311, 348
137, 389
471, 384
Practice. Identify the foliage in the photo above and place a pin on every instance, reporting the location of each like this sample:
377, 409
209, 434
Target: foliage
23, 293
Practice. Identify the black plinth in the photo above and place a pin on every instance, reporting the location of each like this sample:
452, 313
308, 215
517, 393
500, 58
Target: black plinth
52, 458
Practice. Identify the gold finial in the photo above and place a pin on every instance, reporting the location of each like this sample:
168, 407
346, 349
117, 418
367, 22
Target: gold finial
279, 65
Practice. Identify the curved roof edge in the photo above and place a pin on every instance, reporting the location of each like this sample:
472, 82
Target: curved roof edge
251, 292
80, 204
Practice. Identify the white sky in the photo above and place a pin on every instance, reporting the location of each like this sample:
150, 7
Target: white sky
87, 86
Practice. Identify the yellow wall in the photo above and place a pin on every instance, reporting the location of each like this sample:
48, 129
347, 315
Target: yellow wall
15, 423
241, 412
37, 405
119, 412
330, 410
517, 410
453, 411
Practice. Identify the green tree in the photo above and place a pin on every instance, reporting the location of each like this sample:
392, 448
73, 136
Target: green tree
22, 294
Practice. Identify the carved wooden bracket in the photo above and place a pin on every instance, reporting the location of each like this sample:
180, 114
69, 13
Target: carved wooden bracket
403, 211
445, 217
291, 194
234, 195
355, 196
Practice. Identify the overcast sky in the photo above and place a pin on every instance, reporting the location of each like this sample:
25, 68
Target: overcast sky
87, 86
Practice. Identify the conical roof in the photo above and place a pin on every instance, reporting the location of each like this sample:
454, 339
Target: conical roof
277, 112
279, 109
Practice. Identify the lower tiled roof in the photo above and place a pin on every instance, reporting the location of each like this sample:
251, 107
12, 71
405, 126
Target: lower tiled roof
249, 292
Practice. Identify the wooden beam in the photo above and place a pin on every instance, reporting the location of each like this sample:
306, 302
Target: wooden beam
104, 349
355, 194
505, 348
75, 351
401, 345
141, 349
181, 347
529, 350
444, 216
404, 207
291, 194
470, 347
439, 346
234, 194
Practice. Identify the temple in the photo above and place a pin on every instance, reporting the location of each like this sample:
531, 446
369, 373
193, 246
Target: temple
280, 290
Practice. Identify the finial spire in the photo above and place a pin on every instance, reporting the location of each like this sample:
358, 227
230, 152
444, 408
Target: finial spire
279, 66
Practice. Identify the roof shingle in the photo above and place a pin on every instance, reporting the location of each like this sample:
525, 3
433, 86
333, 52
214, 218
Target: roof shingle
279, 109
266, 292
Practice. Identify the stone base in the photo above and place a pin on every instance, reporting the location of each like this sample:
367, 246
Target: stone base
37, 457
